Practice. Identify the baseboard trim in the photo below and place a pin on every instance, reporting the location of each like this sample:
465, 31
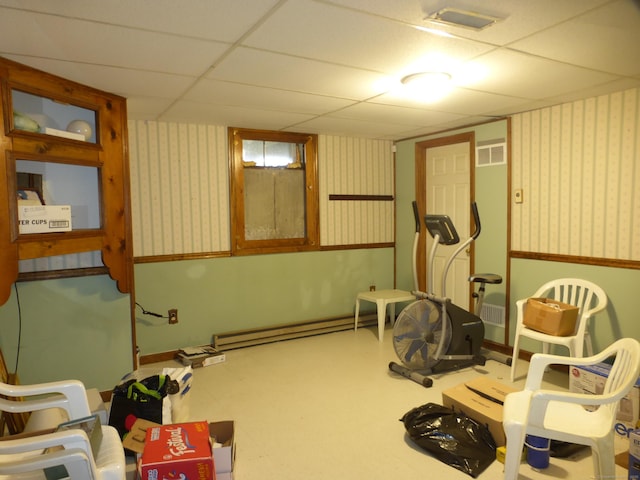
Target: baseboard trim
275, 333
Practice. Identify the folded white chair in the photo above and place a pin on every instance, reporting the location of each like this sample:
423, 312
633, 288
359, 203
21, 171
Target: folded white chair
560, 415
26, 457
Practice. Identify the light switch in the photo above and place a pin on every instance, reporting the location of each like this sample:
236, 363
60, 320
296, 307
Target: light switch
517, 195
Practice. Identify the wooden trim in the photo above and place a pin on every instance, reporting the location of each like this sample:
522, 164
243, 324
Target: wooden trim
67, 273
226, 254
499, 347
507, 292
596, 261
420, 155
242, 246
357, 246
158, 357
37, 245
181, 256
379, 198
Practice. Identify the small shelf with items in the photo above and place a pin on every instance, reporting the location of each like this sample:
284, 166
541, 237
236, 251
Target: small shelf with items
39, 114
66, 187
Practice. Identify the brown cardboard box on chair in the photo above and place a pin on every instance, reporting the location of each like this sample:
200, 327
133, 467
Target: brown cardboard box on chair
550, 316
480, 399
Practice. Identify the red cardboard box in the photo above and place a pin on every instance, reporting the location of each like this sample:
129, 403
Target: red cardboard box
181, 450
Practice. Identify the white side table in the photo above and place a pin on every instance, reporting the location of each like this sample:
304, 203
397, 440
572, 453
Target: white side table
382, 298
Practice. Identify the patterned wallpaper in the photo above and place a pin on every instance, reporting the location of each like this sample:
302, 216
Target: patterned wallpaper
180, 189
355, 166
578, 165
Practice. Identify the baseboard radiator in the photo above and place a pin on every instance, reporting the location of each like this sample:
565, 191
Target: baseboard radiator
276, 333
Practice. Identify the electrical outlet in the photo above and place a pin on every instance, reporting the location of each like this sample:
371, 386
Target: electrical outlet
173, 315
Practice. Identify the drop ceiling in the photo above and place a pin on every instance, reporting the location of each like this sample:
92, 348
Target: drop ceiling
330, 67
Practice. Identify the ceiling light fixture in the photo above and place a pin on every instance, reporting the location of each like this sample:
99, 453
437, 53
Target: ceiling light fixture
427, 86
462, 18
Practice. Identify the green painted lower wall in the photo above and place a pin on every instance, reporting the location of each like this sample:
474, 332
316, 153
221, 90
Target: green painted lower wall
235, 293
68, 328
80, 327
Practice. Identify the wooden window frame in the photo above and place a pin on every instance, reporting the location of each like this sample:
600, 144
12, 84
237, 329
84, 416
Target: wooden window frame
239, 244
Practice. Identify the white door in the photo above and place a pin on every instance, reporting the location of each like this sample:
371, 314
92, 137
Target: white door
448, 192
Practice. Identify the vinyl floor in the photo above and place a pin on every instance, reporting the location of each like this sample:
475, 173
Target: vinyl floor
327, 407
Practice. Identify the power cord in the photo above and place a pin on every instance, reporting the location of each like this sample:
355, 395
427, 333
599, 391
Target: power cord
15, 286
153, 314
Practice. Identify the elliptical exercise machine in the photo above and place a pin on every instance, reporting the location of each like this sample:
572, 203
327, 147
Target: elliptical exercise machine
433, 335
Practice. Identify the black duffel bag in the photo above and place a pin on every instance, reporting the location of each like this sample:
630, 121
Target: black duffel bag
144, 398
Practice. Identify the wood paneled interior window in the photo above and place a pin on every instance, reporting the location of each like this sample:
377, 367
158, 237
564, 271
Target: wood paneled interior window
274, 191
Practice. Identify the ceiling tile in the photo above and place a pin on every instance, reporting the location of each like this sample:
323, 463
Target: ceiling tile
332, 125
604, 39
527, 76
460, 101
220, 20
235, 94
521, 18
82, 41
323, 32
266, 69
198, 112
121, 81
395, 115
330, 66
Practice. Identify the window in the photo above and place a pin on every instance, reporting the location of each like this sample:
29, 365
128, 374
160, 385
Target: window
274, 194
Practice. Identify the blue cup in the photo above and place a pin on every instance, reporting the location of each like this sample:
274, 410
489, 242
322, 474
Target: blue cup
538, 451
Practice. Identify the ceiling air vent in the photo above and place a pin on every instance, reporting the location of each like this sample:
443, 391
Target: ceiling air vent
462, 18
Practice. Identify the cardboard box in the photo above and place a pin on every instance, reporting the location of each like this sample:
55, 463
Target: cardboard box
177, 449
591, 379
136, 437
44, 218
480, 399
203, 357
634, 455
224, 450
550, 316
622, 459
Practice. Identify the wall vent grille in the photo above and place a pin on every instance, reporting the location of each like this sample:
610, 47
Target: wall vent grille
493, 315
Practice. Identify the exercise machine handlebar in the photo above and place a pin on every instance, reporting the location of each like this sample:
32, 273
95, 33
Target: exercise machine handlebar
416, 215
476, 220
416, 239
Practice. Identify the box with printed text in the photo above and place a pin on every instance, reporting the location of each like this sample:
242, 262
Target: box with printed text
480, 399
591, 379
634, 455
181, 450
44, 218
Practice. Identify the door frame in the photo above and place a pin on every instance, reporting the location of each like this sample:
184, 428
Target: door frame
421, 198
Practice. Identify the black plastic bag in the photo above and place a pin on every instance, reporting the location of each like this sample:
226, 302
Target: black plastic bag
453, 438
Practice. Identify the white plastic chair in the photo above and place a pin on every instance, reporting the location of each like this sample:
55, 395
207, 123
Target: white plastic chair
560, 415
587, 296
27, 457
